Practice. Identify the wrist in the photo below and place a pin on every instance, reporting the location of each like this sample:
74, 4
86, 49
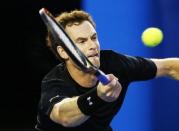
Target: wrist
90, 102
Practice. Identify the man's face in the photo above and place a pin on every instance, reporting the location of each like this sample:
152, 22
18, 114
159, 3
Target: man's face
85, 37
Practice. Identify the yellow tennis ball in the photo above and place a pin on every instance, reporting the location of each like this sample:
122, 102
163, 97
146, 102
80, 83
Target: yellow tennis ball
152, 36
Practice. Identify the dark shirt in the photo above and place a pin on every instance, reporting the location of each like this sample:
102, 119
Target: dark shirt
58, 84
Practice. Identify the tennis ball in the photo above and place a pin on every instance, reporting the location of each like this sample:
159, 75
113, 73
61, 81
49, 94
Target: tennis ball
152, 36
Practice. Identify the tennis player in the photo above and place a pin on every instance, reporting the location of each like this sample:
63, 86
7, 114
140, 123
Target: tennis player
73, 100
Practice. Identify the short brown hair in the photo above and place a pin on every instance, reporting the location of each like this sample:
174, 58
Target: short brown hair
67, 18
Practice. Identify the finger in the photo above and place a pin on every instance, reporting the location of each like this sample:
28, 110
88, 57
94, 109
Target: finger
111, 77
111, 85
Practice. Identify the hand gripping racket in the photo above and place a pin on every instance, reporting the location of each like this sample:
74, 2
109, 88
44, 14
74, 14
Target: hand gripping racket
68, 45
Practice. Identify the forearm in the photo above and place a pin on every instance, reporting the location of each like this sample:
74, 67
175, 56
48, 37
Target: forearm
167, 67
67, 113
72, 112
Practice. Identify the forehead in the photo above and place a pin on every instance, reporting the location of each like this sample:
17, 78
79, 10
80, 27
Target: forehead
83, 29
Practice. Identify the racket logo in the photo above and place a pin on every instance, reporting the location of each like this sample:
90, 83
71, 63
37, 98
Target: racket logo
89, 101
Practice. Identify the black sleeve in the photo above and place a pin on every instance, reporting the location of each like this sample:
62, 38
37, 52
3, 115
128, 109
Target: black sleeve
52, 92
128, 67
139, 68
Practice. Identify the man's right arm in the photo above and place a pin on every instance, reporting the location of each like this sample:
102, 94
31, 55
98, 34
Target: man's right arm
71, 112
67, 113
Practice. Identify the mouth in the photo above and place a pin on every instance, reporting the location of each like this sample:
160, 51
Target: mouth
93, 55
94, 58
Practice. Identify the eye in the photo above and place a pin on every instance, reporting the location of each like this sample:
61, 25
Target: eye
81, 41
94, 37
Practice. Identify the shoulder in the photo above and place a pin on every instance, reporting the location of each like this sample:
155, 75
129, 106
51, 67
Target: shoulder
56, 73
113, 56
111, 53
112, 62
107, 52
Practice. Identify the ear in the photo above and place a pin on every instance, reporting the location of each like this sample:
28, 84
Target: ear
62, 53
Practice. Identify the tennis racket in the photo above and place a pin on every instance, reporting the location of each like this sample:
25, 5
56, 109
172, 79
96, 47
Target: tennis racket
68, 45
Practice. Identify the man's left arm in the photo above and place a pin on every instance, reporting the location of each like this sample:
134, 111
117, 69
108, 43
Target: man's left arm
167, 67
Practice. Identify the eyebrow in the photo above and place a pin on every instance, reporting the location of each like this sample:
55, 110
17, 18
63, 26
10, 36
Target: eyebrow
80, 38
95, 34
83, 38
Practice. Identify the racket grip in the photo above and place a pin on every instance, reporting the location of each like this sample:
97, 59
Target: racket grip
102, 77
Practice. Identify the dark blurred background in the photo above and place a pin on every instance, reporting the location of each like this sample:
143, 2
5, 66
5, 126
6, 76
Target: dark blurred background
25, 59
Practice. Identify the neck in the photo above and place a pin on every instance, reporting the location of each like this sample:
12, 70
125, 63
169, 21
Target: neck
84, 79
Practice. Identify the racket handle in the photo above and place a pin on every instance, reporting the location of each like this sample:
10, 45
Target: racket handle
102, 77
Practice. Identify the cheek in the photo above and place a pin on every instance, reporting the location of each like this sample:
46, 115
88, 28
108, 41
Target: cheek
82, 47
85, 49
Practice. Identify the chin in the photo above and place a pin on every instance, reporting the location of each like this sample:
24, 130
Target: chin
95, 62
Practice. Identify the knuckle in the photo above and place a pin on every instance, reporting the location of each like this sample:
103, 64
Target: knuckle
108, 94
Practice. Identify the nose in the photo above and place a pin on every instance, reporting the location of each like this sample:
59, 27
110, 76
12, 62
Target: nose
93, 45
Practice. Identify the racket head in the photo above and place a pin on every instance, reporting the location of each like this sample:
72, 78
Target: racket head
67, 44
